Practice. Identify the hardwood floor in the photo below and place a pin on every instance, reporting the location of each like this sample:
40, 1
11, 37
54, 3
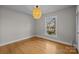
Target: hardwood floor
36, 45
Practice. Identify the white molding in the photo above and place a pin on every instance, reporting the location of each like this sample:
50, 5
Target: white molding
54, 40
35, 36
3, 44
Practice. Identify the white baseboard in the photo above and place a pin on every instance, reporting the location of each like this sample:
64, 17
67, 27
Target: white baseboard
36, 36
16, 40
54, 40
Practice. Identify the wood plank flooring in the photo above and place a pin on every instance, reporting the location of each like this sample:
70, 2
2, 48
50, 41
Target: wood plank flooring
36, 45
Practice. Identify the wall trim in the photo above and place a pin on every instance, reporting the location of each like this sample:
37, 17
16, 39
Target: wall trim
16, 40
66, 43
35, 36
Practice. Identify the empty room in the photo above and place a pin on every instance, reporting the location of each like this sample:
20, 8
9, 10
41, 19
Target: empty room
38, 29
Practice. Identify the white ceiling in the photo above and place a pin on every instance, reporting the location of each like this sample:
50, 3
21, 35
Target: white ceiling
45, 8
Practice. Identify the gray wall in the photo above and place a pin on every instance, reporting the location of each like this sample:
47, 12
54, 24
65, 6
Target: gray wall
14, 25
78, 18
78, 28
78, 31
0, 23
66, 25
